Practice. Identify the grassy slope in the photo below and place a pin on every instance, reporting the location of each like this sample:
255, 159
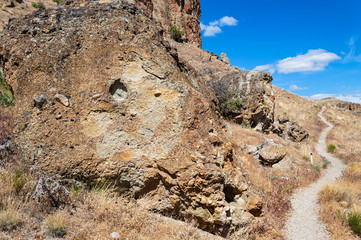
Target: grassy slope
343, 197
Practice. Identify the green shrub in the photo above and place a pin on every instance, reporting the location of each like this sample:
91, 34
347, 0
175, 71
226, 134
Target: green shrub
38, 5
6, 96
57, 1
317, 167
325, 163
231, 105
18, 180
176, 33
354, 221
245, 124
331, 148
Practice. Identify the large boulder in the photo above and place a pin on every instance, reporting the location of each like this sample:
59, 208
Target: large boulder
244, 96
118, 107
289, 130
255, 91
349, 106
268, 152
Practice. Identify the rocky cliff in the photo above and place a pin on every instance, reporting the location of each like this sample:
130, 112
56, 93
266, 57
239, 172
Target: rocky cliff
184, 14
100, 95
349, 106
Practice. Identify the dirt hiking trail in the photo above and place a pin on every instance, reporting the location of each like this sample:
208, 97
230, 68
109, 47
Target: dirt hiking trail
303, 222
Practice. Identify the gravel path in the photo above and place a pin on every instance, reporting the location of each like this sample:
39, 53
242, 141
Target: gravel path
303, 223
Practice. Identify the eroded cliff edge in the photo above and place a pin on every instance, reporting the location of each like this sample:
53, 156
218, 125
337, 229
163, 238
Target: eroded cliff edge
100, 95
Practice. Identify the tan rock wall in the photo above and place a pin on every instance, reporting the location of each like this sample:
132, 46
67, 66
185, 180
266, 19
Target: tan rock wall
119, 108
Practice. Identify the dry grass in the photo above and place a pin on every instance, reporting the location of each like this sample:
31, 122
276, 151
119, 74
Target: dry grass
341, 200
57, 224
346, 135
10, 218
91, 214
300, 110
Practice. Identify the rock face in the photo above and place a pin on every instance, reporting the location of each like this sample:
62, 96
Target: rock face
119, 108
255, 89
289, 130
247, 96
223, 57
349, 106
184, 14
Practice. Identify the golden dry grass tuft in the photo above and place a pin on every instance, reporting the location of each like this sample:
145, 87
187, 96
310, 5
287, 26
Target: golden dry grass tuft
10, 218
340, 205
57, 224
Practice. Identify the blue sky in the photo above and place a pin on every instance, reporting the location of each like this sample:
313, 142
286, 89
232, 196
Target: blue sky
312, 48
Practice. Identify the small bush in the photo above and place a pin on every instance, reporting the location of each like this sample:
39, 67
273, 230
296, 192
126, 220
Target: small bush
52, 190
231, 105
176, 33
354, 221
316, 167
9, 219
325, 163
57, 1
306, 157
245, 124
38, 5
57, 224
6, 96
331, 148
18, 180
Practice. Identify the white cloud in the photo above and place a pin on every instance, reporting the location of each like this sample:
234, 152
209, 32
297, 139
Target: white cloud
313, 60
211, 31
351, 57
268, 67
296, 88
228, 21
214, 23
214, 28
355, 98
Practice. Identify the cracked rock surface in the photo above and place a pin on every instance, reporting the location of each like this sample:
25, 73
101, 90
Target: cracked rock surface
119, 107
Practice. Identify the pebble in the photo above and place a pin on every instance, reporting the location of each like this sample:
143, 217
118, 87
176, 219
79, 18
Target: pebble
115, 235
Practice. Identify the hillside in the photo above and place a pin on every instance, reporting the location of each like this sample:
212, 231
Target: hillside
113, 128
